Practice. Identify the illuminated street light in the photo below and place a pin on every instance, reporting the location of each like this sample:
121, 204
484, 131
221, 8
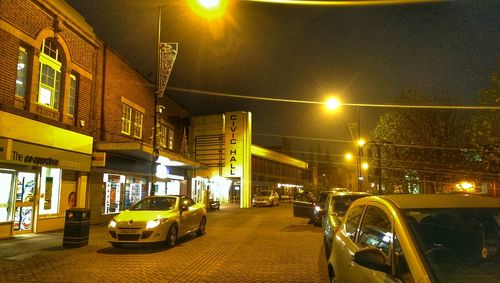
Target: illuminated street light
165, 58
332, 103
348, 156
365, 165
361, 142
209, 9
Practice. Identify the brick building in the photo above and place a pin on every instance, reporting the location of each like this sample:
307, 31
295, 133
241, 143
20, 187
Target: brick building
49, 60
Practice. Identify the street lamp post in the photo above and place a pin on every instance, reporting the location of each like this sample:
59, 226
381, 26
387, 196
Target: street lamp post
165, 58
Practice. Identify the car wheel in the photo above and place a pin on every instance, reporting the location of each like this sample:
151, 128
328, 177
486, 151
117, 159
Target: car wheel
171, 236
117, 245
201, 228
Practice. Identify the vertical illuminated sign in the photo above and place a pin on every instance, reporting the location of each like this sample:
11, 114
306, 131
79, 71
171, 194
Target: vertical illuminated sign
234, 144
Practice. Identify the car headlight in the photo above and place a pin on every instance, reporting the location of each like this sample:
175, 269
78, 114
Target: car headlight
154, 223
112, 224
317, 208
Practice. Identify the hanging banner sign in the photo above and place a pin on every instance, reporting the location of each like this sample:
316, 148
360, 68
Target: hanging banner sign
167, 55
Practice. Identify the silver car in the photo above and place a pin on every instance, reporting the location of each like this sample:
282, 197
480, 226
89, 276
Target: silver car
266, 198
418, 238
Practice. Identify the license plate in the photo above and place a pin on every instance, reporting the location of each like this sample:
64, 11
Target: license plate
127, 231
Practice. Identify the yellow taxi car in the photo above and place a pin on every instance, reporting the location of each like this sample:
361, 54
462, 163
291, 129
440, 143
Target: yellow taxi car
158, 219
418, 238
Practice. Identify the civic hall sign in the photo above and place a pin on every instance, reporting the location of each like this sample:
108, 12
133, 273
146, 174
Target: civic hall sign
233, 145
238, 152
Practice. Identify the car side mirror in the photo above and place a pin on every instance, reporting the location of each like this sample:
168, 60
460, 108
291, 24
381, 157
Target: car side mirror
372, 258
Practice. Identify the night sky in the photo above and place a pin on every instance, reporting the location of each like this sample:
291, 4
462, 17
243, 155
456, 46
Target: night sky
360, 54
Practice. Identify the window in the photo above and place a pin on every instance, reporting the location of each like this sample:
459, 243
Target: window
6, 203
376, 230
126, 119
49, 190
352, 221
50, 75
170, 144
22, 72
71, 96
138, 124
163, 136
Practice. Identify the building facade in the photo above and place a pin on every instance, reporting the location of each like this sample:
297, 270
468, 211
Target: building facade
49, 59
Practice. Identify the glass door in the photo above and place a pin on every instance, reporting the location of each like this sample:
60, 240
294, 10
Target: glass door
25, 202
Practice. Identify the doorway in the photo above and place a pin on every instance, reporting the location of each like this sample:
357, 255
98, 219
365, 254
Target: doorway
25, 203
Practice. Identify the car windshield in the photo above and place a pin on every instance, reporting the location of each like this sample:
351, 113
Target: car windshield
155, 203
342, 202
458, 244
264, 193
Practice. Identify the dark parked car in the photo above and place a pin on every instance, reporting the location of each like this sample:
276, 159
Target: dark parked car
311, 208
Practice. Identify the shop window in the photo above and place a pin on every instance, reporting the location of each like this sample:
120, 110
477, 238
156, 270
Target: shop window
72, 95
6, 203
22, 73
50, 75
135, 190
170, 139
113, 187
50, 188
138, 124
126, 119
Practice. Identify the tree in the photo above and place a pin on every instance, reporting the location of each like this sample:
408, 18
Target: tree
422, 144
484, 130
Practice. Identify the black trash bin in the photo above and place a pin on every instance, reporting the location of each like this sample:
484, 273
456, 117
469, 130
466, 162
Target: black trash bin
76, 228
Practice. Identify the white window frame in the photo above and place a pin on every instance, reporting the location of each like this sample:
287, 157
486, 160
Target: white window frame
170, 138
126, 119
138, 122
49, 79
22, 72
163, 136
72, 95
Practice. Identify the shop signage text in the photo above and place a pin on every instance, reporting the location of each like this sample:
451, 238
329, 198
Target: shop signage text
35, 160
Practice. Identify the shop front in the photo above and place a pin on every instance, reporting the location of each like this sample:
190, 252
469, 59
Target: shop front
38, 183
121, 175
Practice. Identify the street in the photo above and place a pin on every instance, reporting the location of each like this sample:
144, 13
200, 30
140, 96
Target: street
241, 245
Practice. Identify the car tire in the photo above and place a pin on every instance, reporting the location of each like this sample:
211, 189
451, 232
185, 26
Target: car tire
201, 227
117, 245
171, 236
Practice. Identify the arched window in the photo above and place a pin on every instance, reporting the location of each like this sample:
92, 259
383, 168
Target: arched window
50, 75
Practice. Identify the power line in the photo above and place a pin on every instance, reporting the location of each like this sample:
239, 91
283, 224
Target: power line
221, 94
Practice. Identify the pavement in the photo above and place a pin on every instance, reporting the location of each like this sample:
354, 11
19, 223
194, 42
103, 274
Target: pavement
241, 245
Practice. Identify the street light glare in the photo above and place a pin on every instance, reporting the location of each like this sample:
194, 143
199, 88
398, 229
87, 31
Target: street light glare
209, 9
332, 103
361, 142
364, 165
348, 156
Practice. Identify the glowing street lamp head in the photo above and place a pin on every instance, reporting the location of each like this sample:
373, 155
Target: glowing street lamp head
332, 103
364, 165
361, 142
348, 156
209, 9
